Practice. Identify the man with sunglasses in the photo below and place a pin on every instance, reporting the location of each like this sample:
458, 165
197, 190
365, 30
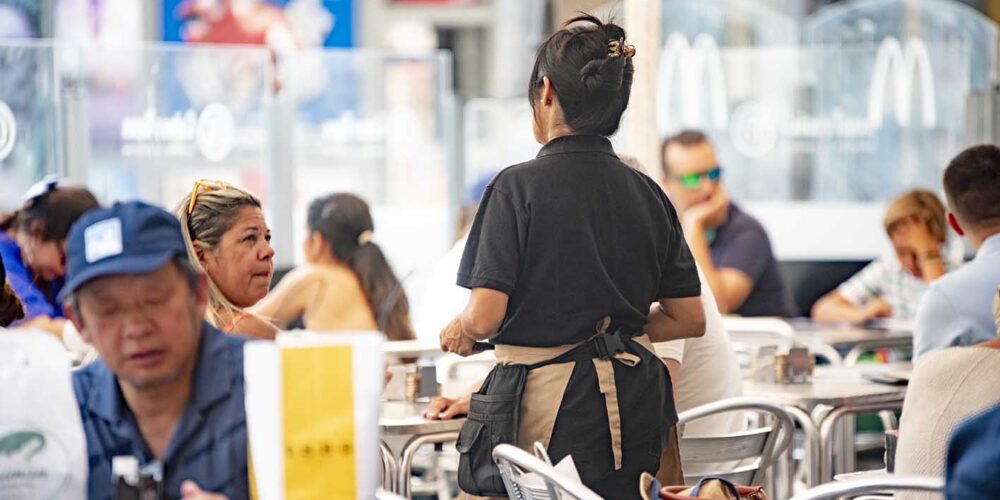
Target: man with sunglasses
731, 247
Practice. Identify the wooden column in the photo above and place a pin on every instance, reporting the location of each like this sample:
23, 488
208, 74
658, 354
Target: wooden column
642, 24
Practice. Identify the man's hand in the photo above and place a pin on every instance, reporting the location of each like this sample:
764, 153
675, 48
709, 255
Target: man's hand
454, 340
447, 409
191, 491
710, 213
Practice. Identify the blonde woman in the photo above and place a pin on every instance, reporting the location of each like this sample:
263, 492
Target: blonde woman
891, 286
228, 239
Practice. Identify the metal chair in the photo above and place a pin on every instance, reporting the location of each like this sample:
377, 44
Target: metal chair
514, 463
864, 486
763, 445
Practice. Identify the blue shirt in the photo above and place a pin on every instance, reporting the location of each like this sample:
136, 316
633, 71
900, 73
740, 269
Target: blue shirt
973, 467
957, 309
36, 303
742, 244
209, 444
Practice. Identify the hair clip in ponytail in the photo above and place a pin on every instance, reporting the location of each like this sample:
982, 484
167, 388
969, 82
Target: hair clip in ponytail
365, 237
617, 48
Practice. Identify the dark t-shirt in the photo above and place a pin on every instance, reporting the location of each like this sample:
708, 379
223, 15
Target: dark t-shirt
742, 244
572, 236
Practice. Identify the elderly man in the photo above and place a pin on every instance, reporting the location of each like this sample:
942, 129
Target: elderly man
168, 389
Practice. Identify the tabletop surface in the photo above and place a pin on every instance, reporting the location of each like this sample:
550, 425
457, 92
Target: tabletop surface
845, 335
833, 386
407, 419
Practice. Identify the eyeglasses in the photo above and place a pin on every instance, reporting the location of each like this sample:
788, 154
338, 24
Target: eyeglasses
691, 181
204, 185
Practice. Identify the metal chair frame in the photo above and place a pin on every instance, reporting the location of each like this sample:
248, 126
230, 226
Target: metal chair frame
837, 489
515, 462
778, 439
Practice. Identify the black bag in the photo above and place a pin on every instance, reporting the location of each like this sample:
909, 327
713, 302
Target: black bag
492, 420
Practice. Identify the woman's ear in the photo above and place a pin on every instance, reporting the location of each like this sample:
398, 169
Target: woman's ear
201, 251
547, 96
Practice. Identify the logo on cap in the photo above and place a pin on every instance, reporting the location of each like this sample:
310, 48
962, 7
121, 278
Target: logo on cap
103, 239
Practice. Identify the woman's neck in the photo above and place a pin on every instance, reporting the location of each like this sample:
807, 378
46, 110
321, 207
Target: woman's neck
558, 131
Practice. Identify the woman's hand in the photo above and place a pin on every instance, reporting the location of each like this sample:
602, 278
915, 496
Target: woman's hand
447, 409
453, 339
876, 308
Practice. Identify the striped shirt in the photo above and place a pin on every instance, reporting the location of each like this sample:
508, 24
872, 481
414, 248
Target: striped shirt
209, 444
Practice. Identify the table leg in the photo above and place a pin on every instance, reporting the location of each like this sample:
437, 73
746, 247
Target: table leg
410, 451
812, 444
828, 426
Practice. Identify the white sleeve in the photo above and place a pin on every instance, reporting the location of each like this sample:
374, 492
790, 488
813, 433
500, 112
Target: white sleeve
671, 350
866, 284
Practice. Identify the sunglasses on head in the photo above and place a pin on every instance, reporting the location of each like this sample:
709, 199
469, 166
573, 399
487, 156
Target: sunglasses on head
204, 185
691, 181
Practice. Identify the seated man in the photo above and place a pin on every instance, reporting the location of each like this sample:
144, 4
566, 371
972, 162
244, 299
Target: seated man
731, 247
957, 309
168, 389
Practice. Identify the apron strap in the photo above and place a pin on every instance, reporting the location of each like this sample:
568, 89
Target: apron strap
606, 381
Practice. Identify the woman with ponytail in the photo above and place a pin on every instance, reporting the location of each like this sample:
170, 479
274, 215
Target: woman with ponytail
346, 283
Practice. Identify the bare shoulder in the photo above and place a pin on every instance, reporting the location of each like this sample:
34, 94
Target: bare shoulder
254, 326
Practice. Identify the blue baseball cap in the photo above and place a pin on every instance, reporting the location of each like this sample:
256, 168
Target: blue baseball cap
127, 238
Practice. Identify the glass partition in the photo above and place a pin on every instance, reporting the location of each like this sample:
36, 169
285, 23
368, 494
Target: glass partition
381, 127
161, 116
29, 118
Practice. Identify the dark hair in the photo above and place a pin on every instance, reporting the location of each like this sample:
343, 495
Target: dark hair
686, 138
345, 223
11, 308
49, 216
592, 84
972, 185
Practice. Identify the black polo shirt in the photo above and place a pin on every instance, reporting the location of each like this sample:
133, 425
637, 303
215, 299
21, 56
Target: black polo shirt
572, 236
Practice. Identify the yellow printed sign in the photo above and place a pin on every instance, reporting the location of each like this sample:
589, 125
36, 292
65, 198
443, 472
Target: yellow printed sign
317, 393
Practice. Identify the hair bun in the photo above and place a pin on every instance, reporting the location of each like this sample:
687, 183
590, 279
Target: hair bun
604, 75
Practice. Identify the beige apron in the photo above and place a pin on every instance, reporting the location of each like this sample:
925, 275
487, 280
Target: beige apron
543, 394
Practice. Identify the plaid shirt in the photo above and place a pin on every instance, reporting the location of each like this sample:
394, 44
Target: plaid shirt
209, 444
886, 278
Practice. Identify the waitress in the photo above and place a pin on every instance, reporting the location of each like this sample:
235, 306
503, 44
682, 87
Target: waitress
565, 256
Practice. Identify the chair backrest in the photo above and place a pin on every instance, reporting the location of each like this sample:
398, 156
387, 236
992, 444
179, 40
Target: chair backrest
548, 483
748, 334
861, 486
754, 450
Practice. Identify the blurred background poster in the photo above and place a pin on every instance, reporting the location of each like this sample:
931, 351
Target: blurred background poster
276, 23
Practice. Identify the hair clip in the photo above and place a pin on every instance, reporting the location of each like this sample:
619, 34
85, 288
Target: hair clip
617, 48
41, 188
365, 237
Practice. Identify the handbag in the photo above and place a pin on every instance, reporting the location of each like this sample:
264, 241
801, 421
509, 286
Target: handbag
715, 488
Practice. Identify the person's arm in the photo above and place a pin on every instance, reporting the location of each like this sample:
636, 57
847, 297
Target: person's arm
673, 319
731, 287
834, 307
253, 326
290, 297
191, 491
674, 369
480, 320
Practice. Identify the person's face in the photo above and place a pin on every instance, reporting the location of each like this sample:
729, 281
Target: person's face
46, 259
698, 159
242, 264
906, 254
145, 327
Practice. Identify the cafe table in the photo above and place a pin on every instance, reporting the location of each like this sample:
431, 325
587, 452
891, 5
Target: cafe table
823, 404
404, 422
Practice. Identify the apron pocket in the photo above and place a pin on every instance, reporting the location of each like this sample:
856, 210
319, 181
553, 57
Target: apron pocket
492, 420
